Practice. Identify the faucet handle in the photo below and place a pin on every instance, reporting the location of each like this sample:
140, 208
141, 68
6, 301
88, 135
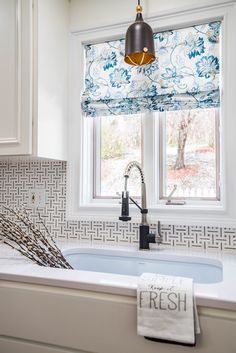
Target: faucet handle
158, 236
169, 198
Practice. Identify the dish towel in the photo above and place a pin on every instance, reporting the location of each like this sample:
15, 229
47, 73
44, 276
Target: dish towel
166, 309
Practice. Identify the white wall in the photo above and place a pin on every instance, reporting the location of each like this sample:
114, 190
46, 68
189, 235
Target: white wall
93, 13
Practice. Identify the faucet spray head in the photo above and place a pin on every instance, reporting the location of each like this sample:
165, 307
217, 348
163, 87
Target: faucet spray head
125, 207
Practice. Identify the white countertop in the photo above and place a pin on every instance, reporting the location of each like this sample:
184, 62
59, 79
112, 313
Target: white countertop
14, 267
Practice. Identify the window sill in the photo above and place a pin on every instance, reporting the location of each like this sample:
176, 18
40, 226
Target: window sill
213, 215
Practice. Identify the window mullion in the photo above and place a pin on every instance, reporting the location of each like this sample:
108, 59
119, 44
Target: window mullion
148, 150
87, 160
160, 154
97, 158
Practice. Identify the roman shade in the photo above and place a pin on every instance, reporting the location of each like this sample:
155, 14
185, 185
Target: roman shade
185, 74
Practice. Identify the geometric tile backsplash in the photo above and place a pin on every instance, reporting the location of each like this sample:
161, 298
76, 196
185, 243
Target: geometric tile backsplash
18, 176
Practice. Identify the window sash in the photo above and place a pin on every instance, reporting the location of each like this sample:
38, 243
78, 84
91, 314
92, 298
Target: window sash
162, 170
97, 159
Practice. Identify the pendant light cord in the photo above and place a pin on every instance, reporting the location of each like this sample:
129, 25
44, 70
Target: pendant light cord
138, 2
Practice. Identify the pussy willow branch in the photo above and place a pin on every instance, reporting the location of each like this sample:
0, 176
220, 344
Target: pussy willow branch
50, 248
25, 243
7, 236
29, 240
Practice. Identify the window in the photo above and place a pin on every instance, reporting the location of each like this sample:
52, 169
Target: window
118, 140
190, 154
179, 93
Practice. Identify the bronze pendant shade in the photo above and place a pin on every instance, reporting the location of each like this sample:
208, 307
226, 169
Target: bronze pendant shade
139, 43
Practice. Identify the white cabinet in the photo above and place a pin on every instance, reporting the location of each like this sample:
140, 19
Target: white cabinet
51, 318
15, 77
11, 345
33, 77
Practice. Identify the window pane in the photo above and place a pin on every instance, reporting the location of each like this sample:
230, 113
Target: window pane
120, 143
190, 154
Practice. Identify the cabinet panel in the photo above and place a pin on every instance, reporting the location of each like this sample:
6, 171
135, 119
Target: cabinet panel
95, 322
9, 66
12, 345
15, 73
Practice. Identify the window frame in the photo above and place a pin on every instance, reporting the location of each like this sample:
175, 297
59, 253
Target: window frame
79, 203
160, 152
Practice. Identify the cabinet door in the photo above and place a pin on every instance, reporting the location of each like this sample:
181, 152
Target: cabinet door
15, 77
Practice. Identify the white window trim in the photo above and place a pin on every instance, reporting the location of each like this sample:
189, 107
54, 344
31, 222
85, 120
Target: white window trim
80, 208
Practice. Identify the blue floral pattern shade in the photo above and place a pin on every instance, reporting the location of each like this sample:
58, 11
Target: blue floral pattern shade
185, 74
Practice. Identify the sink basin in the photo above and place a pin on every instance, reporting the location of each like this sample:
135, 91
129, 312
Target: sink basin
134, 263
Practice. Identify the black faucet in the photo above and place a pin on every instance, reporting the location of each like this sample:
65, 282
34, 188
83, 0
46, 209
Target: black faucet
145, 237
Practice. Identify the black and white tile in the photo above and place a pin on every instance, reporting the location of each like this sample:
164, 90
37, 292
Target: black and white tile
18, 176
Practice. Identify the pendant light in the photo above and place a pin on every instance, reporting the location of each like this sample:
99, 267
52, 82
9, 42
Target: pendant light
139, 43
